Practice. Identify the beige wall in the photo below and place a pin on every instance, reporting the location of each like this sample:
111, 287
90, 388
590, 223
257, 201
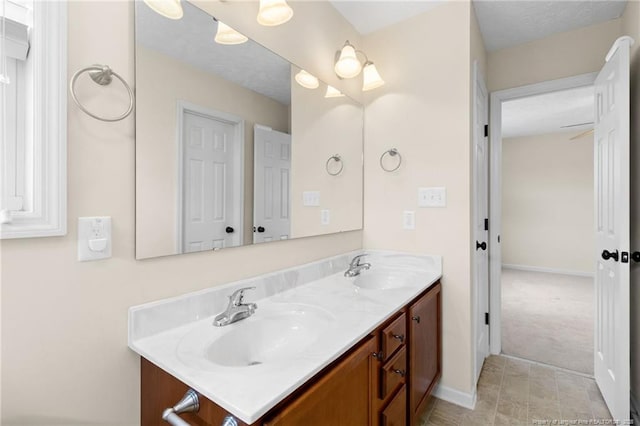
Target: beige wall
631, 27
423, 111
64, 324
322, 127
156, 146
561, 55
547, 202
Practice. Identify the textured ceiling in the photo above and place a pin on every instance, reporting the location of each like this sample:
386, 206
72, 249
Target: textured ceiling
548, 113
368, 16
190, 40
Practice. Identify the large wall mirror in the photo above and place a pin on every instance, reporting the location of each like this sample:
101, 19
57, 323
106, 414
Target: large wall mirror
230, 148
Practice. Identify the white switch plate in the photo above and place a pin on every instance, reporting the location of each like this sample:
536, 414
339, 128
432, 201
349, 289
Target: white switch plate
94, 238
432, 197
311, 198
408, 219
325, 217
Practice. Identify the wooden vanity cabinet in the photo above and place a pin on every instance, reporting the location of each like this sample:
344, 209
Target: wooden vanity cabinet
425, 349
384, 380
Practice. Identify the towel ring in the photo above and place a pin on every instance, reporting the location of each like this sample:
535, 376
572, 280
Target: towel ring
392, 153
102, 75
337, 159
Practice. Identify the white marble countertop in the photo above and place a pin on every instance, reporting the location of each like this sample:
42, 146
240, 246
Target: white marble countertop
175, 334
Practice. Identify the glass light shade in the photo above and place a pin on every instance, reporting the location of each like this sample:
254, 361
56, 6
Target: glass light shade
332, 92
227, 35
348, 65
307, 80
274, 12
171, 9
371, 77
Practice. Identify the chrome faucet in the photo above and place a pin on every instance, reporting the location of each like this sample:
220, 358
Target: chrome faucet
236, 310
355, 266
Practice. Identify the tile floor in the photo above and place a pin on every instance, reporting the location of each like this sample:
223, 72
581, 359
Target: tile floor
514, 392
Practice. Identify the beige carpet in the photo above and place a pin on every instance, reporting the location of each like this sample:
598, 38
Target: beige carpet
548, 318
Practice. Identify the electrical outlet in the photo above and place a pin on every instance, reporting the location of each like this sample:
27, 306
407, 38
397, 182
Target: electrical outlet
325, 217
94, 238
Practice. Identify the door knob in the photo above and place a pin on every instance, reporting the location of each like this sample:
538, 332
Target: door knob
482, 245
606, 255
635, 256
260, 229
229, 230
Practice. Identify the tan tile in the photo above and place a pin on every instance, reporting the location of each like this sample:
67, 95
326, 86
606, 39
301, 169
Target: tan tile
438, 419
542, 373
515, 389
600, 410
512, 409
516, 368
478, 418
504, 420
495, 360
542, 409
543, 389
488, 394
570, 412
444, 411
490, 380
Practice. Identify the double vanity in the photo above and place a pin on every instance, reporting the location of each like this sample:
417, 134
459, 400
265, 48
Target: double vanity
343, 341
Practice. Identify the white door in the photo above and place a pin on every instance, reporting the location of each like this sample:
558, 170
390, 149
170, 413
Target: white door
611, 161
481, 220
209, 218
272, 186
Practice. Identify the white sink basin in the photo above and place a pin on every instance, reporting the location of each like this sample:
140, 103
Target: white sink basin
384, 279
267, 337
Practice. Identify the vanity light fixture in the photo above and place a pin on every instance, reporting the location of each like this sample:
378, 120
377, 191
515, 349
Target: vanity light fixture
307, 80
371, 77
171, 9
348, 65
227, 35
332, 92
274, 12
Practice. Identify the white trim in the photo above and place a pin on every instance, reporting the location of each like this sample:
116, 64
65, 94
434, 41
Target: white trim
547, 270
47, 215
463, 399
495, 184
238, 123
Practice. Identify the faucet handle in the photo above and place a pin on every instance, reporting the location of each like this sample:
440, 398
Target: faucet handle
237, 296
356, 260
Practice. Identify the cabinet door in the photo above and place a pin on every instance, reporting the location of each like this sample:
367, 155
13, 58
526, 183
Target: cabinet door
342, 397
424, 347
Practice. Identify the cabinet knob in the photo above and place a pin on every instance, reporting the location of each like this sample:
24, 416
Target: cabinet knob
416, 319
399, 337
401, 373
378, 355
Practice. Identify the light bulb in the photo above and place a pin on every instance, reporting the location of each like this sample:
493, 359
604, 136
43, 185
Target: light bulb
332, 92
274, 12
348, 65
371, 78
171, 9
227, 35
307, 80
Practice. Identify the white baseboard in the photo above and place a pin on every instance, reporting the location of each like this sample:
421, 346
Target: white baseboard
635, 410
463, 399
547, 270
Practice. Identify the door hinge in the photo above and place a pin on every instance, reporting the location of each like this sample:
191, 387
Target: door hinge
486, 224
486, 130
486, 318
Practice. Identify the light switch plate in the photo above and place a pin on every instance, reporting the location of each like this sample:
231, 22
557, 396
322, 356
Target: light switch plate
311, 198
325, 217
408, 219
94, 238
432, 197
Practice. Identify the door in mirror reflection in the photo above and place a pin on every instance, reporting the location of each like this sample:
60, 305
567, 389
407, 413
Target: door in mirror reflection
272, 194
211, 175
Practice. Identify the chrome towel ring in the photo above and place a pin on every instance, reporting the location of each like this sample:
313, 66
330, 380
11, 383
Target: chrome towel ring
337, 159
392, 153
102, 75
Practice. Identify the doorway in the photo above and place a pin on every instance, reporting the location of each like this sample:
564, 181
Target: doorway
210, 186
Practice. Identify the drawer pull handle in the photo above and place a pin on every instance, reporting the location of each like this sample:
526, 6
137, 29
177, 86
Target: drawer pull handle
416, 319
378, 355
188, 404
399, 337
400, 372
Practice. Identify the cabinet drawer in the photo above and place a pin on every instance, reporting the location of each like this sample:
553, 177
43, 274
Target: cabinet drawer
393, 336
393, 373
396, 412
